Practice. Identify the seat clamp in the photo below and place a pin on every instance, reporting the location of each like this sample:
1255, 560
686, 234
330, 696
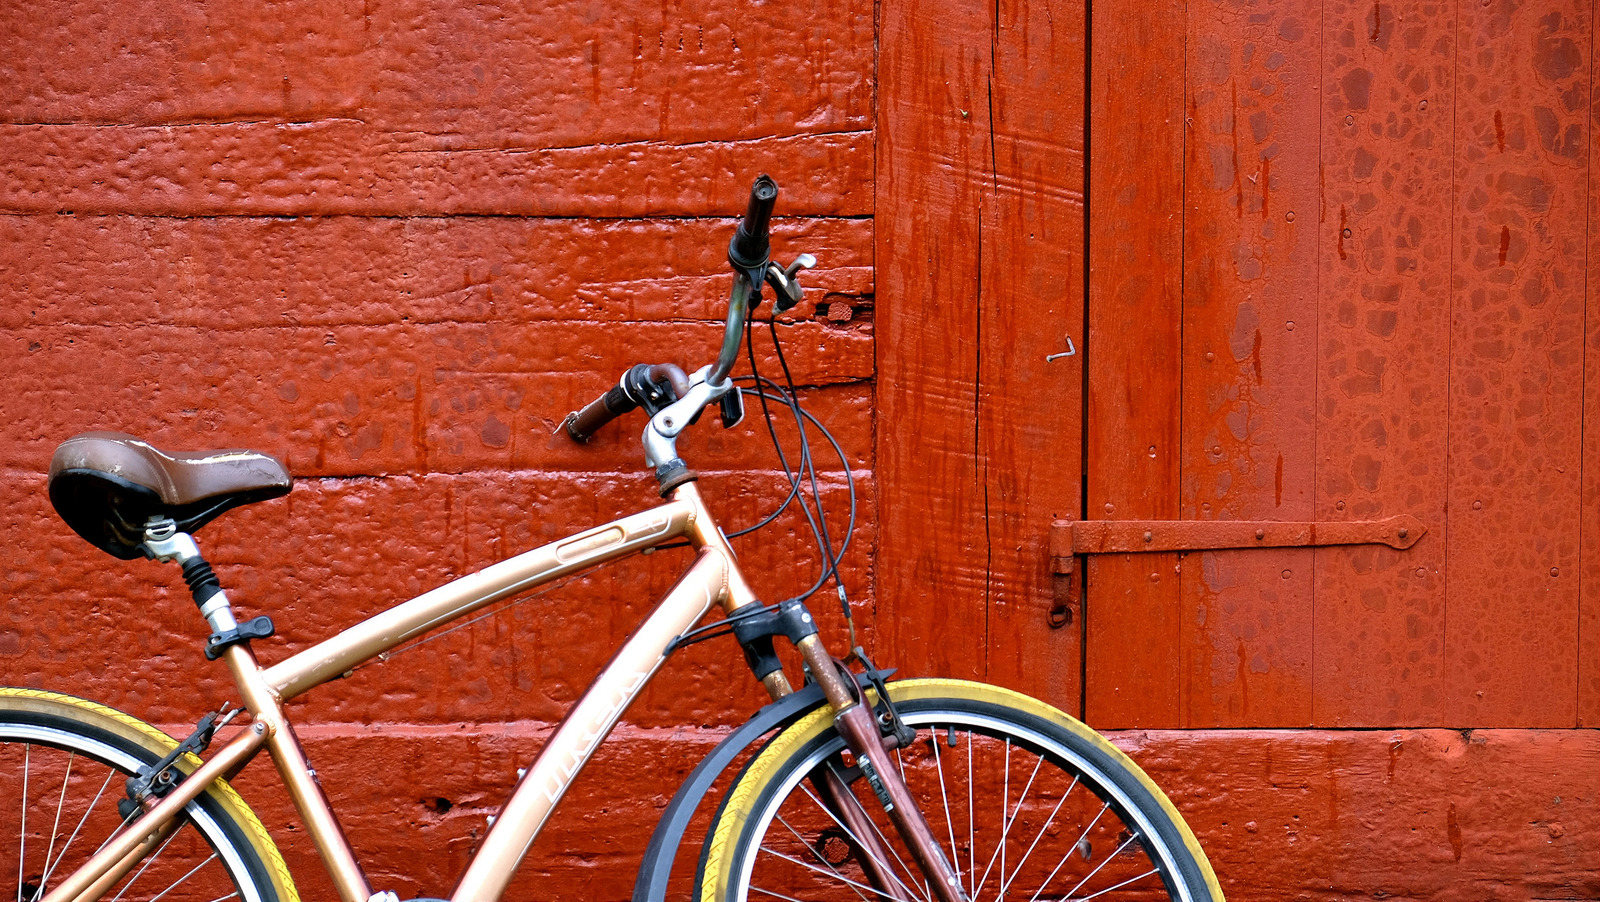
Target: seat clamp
256, 628
163, 542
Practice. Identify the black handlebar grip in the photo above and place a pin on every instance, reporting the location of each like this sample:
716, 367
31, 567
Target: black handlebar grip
749, 247
581, 424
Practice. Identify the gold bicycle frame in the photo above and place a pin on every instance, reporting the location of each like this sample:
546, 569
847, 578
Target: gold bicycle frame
713, 578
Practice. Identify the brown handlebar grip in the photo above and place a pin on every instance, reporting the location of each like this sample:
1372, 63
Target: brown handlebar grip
581, 424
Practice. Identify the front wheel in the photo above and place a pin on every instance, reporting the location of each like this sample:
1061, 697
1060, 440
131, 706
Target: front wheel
1027, 803
64, 763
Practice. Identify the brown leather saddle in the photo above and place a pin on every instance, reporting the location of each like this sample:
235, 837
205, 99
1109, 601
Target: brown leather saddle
107, 485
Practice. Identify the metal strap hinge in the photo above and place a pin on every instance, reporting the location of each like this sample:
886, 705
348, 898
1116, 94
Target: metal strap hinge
1074, 537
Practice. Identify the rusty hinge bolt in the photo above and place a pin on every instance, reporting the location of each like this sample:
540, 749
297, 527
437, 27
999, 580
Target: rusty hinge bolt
1060, 615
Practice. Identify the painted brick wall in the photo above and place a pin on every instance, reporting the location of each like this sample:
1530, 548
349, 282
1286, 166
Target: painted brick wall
394, 244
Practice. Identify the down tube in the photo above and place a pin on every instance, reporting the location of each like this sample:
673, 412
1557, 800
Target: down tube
589, 721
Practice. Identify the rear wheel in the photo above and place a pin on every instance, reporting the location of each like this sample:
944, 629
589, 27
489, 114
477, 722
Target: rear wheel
64, 763
1026, 803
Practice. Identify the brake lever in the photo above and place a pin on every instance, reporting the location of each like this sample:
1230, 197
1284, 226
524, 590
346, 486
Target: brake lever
731, 407
785, 282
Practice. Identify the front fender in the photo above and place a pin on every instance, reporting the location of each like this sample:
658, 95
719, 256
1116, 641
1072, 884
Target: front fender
668, 836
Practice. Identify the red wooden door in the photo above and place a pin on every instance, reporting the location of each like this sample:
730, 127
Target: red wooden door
1338, 272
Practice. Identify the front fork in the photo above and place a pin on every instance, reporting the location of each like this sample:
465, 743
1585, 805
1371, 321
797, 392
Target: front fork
855, 722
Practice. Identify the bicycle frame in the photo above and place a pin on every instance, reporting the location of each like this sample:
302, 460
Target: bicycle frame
713, 578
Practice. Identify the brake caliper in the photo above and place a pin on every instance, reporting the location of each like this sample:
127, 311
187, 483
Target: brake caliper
156, 780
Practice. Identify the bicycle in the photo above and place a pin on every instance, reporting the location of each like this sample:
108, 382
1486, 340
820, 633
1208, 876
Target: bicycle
849, 787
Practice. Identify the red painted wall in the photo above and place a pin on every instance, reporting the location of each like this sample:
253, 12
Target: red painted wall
394, 244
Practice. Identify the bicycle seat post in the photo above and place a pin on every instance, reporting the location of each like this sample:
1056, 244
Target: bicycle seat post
163, 542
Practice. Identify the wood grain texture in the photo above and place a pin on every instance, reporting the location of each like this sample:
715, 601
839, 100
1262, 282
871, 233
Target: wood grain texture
536, 76
933, 160
1412, 341
1281, 814
978, 225
1029, 426
1303, 814
239, 272
1589, 554
1387, 145
1137, 126
366, 400
395, 243
1249, 336
338, 550
339, 166
1517, 341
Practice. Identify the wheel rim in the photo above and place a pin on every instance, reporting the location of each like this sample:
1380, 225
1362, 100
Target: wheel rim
1035, 822
58, 805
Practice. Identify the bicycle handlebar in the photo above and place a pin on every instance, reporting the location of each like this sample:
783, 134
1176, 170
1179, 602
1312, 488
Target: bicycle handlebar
749, 248
581, 424
748, 253
642, 385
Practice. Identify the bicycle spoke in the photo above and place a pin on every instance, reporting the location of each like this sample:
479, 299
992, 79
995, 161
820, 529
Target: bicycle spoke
1006, 822
949, 822
1070, 849
1117, 887
811, 867
148, 861
68, 761
118, 829
972, 842
1005, 884
55, 828
50, 866
22, 850
180, 880
926, 891
1090, 876
854, 838
1044, 795
773, 893
805, 845
927, 888
1005, 825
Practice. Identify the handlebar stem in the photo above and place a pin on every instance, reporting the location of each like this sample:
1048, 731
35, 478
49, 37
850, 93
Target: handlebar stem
738, 310
661, 433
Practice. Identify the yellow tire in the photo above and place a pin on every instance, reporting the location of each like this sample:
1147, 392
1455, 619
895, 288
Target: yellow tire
1025, 802
67, 761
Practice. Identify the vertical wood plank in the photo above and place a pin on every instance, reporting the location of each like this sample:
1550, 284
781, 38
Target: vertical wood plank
1136, 130
979, 226
1383, 374
1030, 436
933, 160
1589, 614
1249, 345
1517, 363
